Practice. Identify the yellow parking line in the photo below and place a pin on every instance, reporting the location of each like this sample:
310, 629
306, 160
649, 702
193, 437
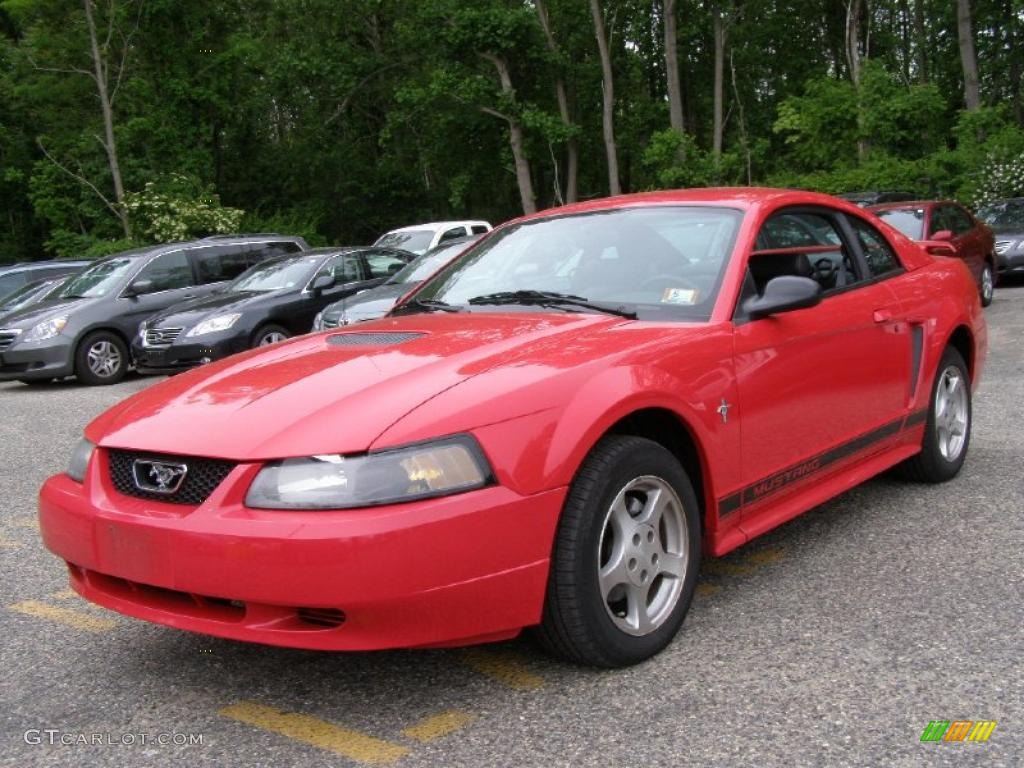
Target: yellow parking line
766, 557
722, 568
64, 594
74, 619
436, 726
504, 668
27, 522
319, 733
704, 590
6, 543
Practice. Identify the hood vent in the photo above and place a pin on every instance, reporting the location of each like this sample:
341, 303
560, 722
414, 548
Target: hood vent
368, 339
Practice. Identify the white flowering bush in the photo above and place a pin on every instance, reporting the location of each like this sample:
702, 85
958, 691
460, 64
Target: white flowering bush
1000, 177
179, 208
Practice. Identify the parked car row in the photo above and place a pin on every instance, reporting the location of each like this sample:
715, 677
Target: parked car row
170, 307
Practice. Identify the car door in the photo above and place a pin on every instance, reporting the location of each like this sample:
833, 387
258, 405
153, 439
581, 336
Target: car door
816, 385
173, 281
349, 275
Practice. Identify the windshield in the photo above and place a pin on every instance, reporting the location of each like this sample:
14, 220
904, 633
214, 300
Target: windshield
99, 279
424, 266
25, 296
277, 275
1004, 216
416, 240
663, 262
909, 221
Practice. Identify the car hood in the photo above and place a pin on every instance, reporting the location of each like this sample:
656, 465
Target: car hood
322, 393
375, 301
30, 316
185, 314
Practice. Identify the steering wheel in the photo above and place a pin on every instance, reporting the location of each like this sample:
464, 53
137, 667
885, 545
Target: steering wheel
665, 279
825, 270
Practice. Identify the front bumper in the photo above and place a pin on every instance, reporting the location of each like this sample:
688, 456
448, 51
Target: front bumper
50, 359
185, 355
1012, 258
448, 571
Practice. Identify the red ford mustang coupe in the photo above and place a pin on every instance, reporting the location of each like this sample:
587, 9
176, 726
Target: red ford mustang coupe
551, 432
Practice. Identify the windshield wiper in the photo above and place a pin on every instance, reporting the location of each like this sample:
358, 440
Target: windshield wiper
551, 299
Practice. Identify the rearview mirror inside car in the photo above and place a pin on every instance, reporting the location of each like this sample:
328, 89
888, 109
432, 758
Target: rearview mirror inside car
784, 294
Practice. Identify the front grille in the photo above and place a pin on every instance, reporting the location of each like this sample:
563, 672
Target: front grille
1002, 246
162, 337
7, 338
201, 479
379, 339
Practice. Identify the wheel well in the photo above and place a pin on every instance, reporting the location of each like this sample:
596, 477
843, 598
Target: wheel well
666, 428
963, 343
104, 329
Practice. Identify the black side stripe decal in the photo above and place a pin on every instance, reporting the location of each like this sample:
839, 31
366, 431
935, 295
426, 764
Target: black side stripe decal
774, 483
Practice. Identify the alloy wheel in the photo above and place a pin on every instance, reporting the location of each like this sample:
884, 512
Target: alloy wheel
104, 359
951, 413
642, 555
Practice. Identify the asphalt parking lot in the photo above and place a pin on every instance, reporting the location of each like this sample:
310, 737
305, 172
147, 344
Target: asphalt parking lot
831, 641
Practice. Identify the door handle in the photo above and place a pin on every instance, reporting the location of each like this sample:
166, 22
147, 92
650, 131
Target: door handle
882, 316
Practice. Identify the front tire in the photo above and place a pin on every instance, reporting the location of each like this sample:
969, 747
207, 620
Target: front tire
101, 359
988, 284
269, 334
947, 432
626, 556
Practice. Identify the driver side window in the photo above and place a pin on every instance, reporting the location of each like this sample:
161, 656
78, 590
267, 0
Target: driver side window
802, 244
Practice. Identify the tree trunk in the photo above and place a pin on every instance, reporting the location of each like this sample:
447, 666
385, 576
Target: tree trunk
719, 30
109, 143
608, 94
515, 135
853, 57
675, 91
920, 42
1013, 56
572, 145
968, 58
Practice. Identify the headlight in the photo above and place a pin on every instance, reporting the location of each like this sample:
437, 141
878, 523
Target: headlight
215, 324
46, 329
80, 460
439, 468
318, 324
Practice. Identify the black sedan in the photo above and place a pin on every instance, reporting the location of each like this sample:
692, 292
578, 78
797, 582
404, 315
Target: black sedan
270, 302
377, 302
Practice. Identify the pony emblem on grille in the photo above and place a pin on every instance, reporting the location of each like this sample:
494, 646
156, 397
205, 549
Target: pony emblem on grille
158, 476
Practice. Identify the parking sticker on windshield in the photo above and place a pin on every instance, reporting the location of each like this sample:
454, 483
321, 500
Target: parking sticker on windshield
679, 296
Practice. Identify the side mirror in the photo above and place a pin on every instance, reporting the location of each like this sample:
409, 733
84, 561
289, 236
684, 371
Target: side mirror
784, 294
320, 282
942, 236
140, 288
939, 247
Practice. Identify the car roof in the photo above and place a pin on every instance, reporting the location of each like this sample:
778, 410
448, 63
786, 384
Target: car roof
435, 225
907, 204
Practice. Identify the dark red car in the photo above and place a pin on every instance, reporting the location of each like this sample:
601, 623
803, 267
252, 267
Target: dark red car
946, 228
551, 432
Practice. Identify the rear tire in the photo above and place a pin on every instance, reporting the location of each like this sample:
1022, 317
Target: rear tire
269, 334
947, 432
101, 359
626, 556
988, 284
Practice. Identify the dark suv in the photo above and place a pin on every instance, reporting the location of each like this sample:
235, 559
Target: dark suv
86, 329
15, 276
